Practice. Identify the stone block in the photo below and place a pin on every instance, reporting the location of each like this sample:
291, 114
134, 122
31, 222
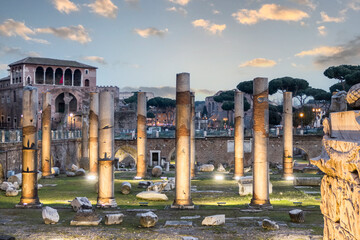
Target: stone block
246, 186
50, 215
307, 181
148, 219
125, 188
297, 216
80, 203
206, 168
70, 174
11, 192
156, 171
269, 225
80, 172
114, 218
214, 220
151, 195
86, 217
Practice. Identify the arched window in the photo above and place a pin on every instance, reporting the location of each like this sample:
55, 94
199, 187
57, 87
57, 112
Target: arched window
59, 76
73, 104
60, 103
68, 77
87, 83
49, 76
77, 78
39, 75
28, 80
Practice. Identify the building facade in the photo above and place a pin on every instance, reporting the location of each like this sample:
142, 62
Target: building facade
69, 82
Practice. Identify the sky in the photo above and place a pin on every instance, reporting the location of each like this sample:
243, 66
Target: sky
143, 44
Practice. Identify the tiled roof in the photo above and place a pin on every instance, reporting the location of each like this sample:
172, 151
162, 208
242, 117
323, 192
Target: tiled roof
5, 78
50, 62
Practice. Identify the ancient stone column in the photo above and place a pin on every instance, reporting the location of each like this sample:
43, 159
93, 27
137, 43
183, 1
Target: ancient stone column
46, 136
261, 137
239, 135
192, 136
84, 163
182, 138
93, 133
141, 135
288, 137
106, 151
29, 193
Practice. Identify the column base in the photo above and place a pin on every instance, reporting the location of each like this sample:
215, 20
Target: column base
288, 176
260, 204
106, 203
29, 205
48, 176
185, 205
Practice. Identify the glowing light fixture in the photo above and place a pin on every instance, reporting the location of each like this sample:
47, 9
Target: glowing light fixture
219, 177
289, 178
91, 177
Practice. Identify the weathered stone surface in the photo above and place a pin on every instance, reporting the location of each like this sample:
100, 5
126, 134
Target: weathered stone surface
269, 225
5, 185
148, 219
206, 168
125, 188
80, 172
189, 238
191, 217
81, 203
157, 187
220, 168
55, 171
151, 195
39, 186
353, 96
86, 217
246, 186
156, 171
16, 185
74, 168
114, 218
70, 174
16, 178
178, 224
144, 184
338, 102
11, 192
307, 181
214, 220
170, 184
50, 215
340, 188
297, 216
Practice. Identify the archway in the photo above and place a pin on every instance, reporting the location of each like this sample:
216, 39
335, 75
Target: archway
49, 76
87, 83
127, 156
300, 156
68, 77
77, 78
39, 75
60, 103
59, 76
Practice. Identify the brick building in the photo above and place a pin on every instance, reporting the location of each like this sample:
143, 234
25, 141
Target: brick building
70, 83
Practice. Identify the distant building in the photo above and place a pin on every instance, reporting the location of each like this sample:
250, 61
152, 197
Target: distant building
69, 82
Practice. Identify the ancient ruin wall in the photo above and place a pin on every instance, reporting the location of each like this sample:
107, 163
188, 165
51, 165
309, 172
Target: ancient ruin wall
340, 188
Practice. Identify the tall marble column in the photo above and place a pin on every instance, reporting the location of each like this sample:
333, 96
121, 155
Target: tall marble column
239, 135
192, 135
260, 197
288, 137
106, 151
29, 194
141, 135
84, 163
182, 138
93, 133
46, 136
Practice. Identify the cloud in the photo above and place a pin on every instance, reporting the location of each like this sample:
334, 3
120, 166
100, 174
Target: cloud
4, 50
74, 33
259, 62
348, 53
12, 28
322, 30
322, 51
133, 3
166, 91
216, 12
307, 3
180, 10
208, 26
180, 2
269, 12
354, 5
97, 59
65, 6
326, 18
104, 8
145, 33
3, 67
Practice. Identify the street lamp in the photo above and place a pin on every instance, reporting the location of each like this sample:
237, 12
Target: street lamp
301, 115
71, 118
